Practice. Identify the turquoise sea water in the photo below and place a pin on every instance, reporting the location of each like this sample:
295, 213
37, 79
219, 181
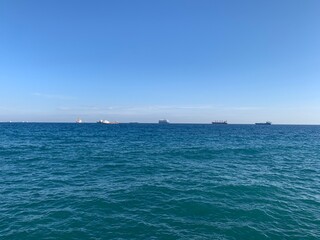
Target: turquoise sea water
149, 181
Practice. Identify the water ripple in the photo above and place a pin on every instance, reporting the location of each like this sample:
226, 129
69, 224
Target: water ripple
144, 181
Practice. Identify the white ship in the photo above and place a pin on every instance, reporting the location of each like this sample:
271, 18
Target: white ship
79, 120
106, 122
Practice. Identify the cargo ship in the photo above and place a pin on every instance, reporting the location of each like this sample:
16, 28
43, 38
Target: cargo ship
220, 122
264, 123
164, 121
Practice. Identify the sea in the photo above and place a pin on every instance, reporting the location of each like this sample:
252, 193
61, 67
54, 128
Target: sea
151, 181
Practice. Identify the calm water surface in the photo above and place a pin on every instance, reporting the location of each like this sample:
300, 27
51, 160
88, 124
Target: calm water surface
148, 181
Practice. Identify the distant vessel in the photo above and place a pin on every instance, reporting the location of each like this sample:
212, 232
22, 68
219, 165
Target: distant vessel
265, 123
79, 120
219, 122
106, 122
164, 121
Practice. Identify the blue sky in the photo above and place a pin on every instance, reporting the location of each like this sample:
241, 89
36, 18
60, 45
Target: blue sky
188, 61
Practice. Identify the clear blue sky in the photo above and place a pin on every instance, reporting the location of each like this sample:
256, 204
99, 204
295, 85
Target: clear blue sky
188, 61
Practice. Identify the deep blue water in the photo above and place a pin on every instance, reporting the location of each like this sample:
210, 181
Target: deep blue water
149, 181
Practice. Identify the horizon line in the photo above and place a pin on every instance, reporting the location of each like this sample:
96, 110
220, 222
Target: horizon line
156, 123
